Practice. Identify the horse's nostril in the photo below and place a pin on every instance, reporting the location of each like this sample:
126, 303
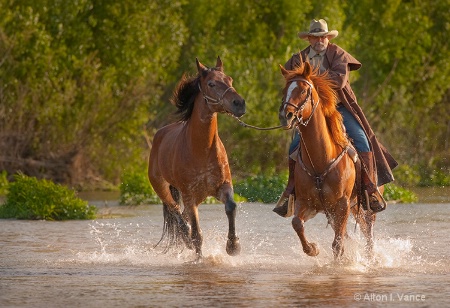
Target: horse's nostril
238, 102
289, 115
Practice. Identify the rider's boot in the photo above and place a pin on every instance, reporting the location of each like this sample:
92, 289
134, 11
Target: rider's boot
376, 200
283, 203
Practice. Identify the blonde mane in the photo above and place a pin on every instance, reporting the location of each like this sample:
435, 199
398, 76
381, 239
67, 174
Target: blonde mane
328, 101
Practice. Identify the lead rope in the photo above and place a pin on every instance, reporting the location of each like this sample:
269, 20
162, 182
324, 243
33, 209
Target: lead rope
255, 127
218, 101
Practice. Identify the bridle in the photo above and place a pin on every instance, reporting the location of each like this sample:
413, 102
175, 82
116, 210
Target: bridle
211, 100
299, 108
318, 178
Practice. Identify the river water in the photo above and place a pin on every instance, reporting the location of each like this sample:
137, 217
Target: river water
111, 262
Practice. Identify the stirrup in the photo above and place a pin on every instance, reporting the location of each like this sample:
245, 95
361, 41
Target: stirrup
375, 202
285, 206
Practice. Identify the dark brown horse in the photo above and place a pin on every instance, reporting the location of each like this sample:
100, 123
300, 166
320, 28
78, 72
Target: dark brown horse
325, 171
188, 161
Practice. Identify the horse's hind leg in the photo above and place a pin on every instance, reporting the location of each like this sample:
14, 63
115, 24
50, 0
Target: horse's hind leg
175, 226
366, 223
233, 246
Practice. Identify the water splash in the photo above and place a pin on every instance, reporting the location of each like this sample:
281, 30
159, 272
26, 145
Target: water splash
132, 244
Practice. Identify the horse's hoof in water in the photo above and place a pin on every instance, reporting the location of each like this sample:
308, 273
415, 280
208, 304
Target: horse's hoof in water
198, 260
233, 247
311, 250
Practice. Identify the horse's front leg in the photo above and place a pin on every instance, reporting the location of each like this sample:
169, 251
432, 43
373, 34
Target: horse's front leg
233, 246
298, 223
340, 217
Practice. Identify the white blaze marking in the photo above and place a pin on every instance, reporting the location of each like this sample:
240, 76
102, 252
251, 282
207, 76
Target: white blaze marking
291, 88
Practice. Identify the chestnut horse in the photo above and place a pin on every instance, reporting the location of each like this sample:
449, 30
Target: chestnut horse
325, 170
188, 161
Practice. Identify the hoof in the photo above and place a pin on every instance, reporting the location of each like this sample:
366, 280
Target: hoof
233, 247
198, 260
311, 250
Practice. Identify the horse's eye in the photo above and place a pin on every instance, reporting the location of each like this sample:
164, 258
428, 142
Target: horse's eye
211, 84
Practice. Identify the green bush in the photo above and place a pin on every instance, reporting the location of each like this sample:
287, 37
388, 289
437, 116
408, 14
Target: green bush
30, 198
268, 190
261, 188
135, 189
3, 183
396, 193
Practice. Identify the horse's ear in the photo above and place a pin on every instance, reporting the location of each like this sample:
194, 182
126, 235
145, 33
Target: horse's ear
200, 67
219, 64
283, 70
307, 69
301, 61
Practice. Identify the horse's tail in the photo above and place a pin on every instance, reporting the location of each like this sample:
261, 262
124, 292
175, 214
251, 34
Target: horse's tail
175, 228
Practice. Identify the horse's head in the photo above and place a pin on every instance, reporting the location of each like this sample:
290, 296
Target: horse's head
300, 99
217, 90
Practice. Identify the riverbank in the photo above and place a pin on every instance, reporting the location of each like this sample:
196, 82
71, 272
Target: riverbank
425, 195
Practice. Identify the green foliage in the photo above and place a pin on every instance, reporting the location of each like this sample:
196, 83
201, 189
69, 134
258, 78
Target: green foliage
30, 198
268, 190
435, 177
261, 188
135, 189
398, 194
212, 200
4, 183
406, 175
86, 84
78, 81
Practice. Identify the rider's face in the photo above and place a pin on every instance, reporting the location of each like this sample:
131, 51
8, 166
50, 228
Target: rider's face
318, 43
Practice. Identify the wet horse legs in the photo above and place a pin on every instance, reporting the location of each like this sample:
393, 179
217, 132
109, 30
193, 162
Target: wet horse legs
366, 222
191, 213
233, 247
339, 224
299, 226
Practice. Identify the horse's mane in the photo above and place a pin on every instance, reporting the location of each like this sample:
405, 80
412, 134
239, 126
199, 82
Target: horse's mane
184, 95
328, 101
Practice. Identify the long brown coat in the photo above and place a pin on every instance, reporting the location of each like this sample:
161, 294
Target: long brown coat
339, 63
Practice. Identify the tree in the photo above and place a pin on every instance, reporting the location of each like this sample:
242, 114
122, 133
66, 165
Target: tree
78, 81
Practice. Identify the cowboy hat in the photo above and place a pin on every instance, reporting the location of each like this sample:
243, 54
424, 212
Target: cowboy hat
318, 28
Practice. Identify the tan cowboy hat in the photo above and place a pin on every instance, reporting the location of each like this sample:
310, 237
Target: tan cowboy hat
318, 28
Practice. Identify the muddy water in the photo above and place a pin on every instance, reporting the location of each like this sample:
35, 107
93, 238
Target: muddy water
111, 262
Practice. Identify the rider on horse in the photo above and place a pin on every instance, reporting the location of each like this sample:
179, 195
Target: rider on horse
330, 58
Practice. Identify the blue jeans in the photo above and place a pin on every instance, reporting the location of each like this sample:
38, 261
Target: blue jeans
353, 128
